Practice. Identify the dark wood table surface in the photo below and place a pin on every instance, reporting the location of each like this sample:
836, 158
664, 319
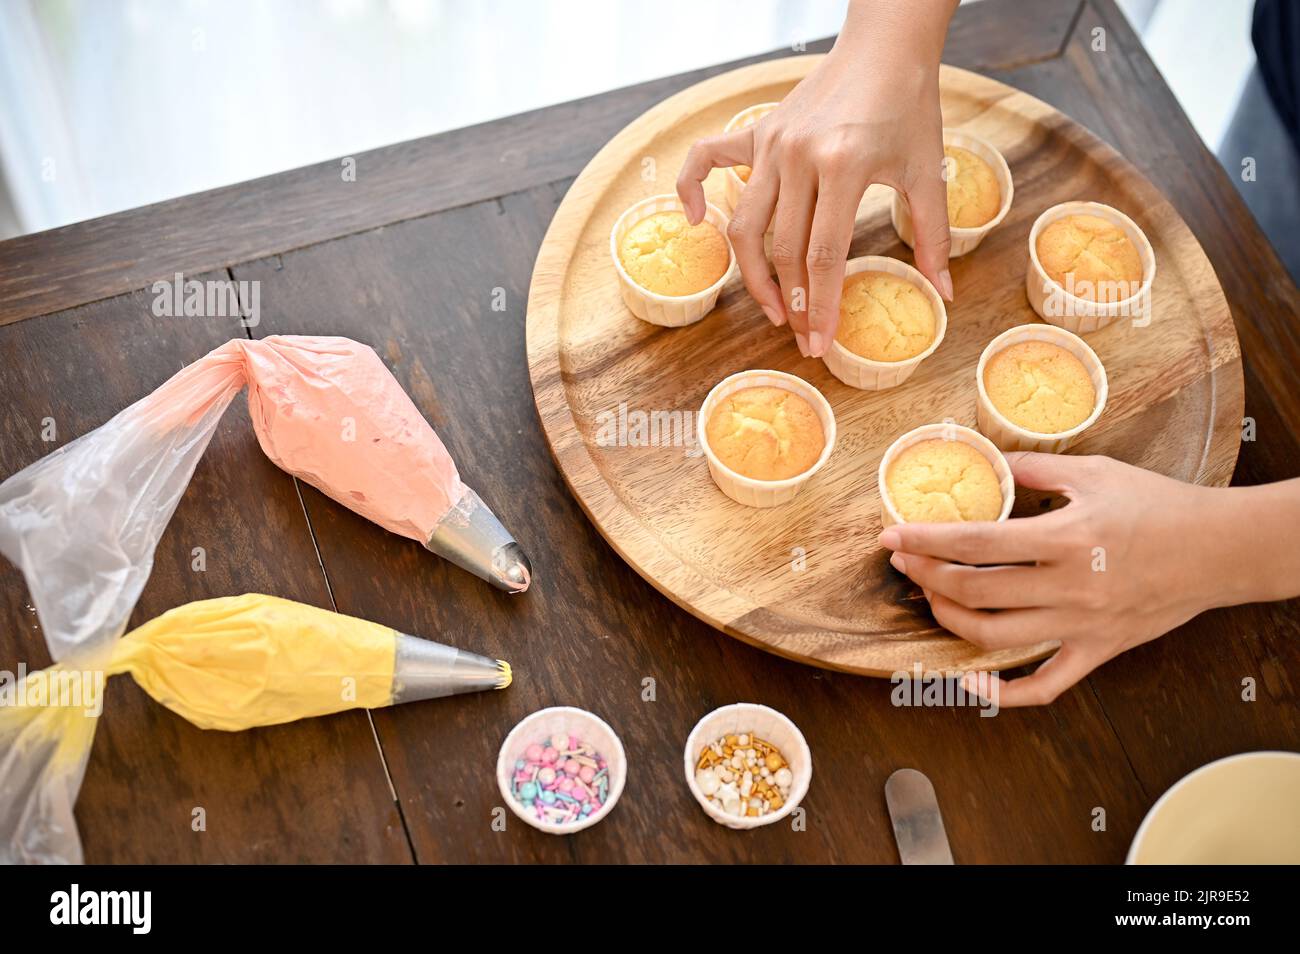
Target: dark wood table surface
406, 259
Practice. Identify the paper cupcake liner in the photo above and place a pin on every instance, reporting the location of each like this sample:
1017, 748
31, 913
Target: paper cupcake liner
947, 431
770, 726
667, 310
748, 490
1056, 306
543, 724
732, 182
863, 373
1011, 437
963, 239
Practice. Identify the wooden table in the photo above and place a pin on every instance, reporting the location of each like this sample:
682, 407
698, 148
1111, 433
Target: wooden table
407, 258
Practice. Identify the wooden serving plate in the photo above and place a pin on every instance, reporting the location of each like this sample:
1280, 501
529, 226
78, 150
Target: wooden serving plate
808, 580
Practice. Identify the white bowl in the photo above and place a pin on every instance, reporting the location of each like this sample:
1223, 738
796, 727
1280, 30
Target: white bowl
749, 490
767, 724
1243, 809
542, 724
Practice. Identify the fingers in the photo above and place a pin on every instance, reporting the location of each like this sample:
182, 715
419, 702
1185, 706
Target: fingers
731, 149
1045, 684
1000, 630
1058, 473
828, 249
794, 215
927, 198
746, 230
997, 587
1029, 540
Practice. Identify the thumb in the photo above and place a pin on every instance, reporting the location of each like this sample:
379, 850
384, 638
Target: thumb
730, 149
927, 199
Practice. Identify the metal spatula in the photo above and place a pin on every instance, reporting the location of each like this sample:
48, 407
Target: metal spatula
918, 826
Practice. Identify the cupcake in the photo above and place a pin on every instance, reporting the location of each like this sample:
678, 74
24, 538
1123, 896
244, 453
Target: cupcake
973, 194
764, 434
891, 319
670, 272
735, 177
942, 473
1039, 388
1090, 258
1088, 265
979, 192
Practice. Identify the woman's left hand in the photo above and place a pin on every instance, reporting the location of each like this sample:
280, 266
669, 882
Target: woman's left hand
1133, 555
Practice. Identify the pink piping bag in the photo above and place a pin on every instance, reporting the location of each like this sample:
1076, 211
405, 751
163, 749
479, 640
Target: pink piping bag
82, 523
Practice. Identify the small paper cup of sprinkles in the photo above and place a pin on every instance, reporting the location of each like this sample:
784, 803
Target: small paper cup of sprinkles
964, 239
735, 177
670, 311
870, 375
1008, 435
747, 765
1060, 306
752, 491
561, 769
947, 431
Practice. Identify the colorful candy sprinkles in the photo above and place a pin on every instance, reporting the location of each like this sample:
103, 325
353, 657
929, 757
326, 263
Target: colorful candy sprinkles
561, 779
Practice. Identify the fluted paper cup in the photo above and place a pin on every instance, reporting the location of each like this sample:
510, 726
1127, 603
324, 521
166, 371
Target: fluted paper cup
588, 727
1008, 436
864, 373
1055, 305
770, 726
670, 311
947, 431
748, 490
963, 239
733, 184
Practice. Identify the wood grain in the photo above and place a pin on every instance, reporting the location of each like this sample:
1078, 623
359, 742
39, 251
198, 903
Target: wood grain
1175, 400
1018, 788
1180, 701
311, 791
87, 261
591, 632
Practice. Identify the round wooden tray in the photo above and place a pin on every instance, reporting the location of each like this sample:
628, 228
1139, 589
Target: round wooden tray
807, 580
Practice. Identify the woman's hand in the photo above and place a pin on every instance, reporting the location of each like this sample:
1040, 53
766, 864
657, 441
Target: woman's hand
868, 113
1132, 556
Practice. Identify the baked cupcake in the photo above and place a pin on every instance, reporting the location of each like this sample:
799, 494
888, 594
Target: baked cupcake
665, 254
670, 272
1090, 258
1039, 387
938, 481
891, 319
979, 192
943, 473
973, 194
735, 177
764, 434
1088, 265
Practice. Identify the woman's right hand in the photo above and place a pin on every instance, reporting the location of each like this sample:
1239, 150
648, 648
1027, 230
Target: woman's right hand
867, 113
